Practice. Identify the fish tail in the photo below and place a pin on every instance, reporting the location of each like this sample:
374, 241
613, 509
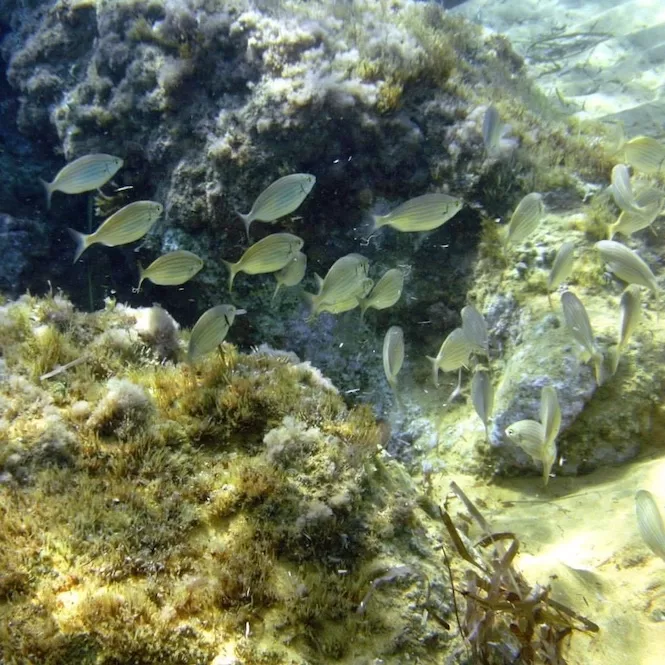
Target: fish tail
141, 276
246, 220
312, 303
610, 230
363, 308
435, 370
377, 222
82, 242
231, 267
48, 187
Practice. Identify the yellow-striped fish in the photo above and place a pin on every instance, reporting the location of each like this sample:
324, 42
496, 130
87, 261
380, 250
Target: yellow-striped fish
453, 354
627, 265
561, 268
291, 274
525, 219
622, 190
651, 202
650, 522
346, 280
579, 325
83, 175
127, 225
393, 354
550, 413
386, 291
269, 254
529, 435
645, 154
492, 130
630, 312
482, 396
424, 213
280, 198
171, 269
211, 330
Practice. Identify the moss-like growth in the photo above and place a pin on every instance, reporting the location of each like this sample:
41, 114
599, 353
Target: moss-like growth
191, 503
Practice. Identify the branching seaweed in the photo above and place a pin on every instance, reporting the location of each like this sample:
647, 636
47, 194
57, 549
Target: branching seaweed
506, 620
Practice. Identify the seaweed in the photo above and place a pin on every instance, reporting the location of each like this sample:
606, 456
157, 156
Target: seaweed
506, 619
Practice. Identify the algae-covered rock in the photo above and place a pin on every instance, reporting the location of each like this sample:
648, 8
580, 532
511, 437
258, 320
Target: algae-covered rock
234, 508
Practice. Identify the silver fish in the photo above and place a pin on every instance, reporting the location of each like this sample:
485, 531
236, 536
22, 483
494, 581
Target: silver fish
454, 354
124, 226
579, 325
651, 201
83, 175
475, 329
393, 354
424, 213
561, 268
211, 330
627, 265
630, 312
346, 280
386, 291
171, 269
280, 198
482, 396
269, 254
645, 154
622, 191
524, 221
292, 273
492, 129
650, 522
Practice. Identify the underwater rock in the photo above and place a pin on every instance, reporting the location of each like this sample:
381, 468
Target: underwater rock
21, 242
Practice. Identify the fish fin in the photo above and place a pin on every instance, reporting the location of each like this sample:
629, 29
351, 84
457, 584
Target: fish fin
435, 370
231, 267
364, 306
274, 295
48, 187
82, 242
141, 277
246, 220
319, 281
378, 221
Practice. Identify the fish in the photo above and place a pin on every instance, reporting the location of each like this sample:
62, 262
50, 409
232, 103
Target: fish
550, 413
453, 354
292, 273
529, 435
269, 254
122, 227
346, 280
627, 265
492, 130
482, 396
340, 306
171, 269
525, 219
83, 175
393, 354
423, 213
630, 313
579, 325
386, 291
651, 201
282, 197
622, 191
210, 330
475, 330
650, 522
561, 268
645, 154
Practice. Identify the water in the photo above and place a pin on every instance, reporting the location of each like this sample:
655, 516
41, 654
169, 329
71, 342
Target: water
278, 500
